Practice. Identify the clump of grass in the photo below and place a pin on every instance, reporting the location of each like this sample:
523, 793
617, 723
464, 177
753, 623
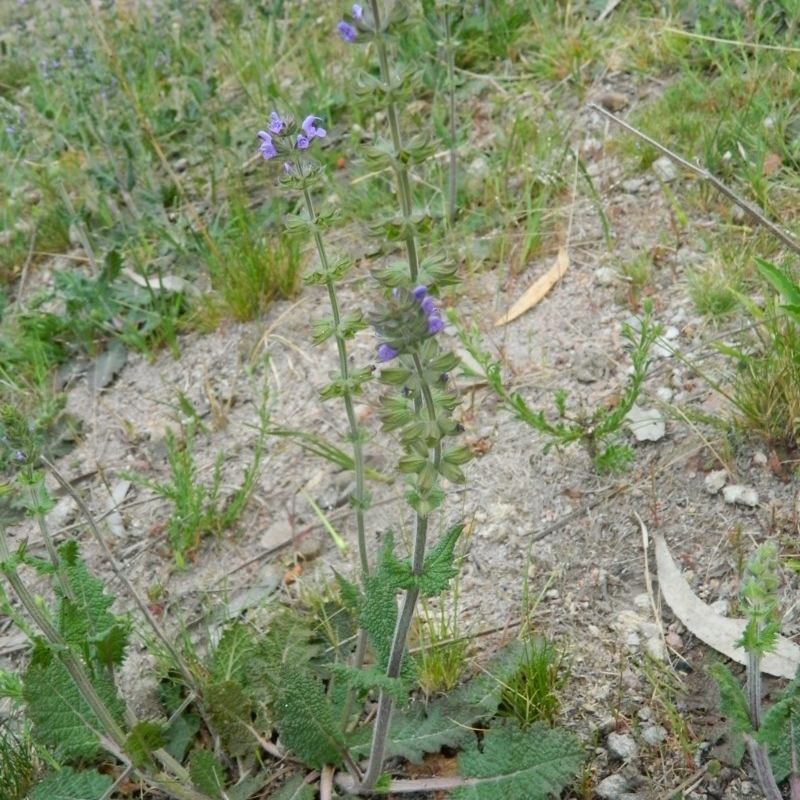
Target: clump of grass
714, 287
18, 763
531, 694
442, 651
254, 264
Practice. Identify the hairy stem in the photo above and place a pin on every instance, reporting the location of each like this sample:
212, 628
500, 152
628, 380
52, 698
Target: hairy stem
356, 436
450, 55
400, 170
404, 619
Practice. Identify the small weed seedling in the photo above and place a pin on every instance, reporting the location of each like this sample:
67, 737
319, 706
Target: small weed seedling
599, 432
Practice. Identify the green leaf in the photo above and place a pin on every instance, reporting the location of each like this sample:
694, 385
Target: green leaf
367, 678
776, 730
295, 789
236, 646
86, 618
305, 721
62, 719
519, 765
66, 784
228, 708
207, 773
439, 569
144, 737
733, 699
418, 731
780, 281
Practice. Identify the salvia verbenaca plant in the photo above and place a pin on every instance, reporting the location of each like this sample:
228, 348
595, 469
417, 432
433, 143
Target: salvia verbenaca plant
257, 681
419, 403
771, 736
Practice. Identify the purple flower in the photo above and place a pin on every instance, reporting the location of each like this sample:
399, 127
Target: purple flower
276, 124
310, 131
346, 31
358, 12
419, 292
267, 148
386, 352
435, 323
19, 455
428, 306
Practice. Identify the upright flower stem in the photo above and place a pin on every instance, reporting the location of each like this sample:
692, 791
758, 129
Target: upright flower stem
355, 430
406, 615
401, 172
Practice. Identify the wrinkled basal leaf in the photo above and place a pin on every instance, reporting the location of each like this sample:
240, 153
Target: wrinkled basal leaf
520, 765
304, 720
66, 784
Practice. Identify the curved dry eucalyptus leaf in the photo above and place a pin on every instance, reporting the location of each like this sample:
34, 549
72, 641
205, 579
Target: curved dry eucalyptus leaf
718, 632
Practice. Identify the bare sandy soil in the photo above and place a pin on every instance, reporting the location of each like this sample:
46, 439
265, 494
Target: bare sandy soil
548, 519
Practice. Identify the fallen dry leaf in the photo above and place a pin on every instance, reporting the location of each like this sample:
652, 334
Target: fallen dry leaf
538, 289
720, 633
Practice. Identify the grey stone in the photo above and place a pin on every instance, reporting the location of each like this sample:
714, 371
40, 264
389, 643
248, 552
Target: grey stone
612, 787
622, 745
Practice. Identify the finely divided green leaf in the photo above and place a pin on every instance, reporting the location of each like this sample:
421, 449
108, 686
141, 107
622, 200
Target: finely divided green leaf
66, 784
520, 765
775, 731
305, 721
733, 699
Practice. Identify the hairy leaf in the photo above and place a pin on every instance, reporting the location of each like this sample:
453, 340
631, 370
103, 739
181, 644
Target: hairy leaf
144, 737
733, 699
305, 721
418, 731
520, 765
206, 772
776, 730
66, 784
84, 617
295, 789
366, 679
58, 710
236, 646
439, 570
228, 708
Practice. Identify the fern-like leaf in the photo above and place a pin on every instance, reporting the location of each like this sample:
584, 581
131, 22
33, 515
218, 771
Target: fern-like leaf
418, 731
207, 773
733, 699
62, 718
775, 730
66, 784
519, 765
305, 721
228, 708
236, 646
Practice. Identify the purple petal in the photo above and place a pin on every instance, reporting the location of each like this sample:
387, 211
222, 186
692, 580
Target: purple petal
386, 352
358, 12
419, 292
346, 31
276, 124
428, 305
267, 148
302, 141
435, 324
